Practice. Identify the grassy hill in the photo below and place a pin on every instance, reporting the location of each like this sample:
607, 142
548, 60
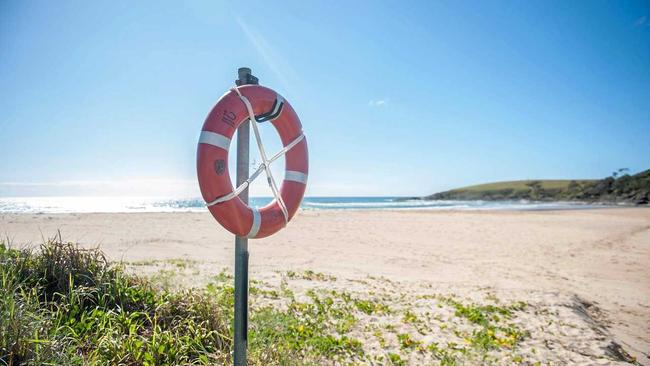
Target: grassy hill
521, 185
623, 188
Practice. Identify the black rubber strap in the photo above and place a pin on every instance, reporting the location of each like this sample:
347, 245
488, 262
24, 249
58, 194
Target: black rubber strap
269, 116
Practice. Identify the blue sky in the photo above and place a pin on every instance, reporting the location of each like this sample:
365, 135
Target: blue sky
396, 99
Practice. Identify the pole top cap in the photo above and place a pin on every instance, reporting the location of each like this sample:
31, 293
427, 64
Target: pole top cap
246, 77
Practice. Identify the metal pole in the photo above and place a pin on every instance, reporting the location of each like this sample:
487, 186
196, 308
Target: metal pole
241, 242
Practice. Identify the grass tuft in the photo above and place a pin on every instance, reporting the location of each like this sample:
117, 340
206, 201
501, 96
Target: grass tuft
67, 305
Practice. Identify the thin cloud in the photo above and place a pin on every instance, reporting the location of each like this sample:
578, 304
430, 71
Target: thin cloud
378, 103
271, 58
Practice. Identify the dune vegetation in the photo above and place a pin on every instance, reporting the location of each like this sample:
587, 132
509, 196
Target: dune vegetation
64, 305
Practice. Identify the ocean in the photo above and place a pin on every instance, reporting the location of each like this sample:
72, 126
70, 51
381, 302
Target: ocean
82, 204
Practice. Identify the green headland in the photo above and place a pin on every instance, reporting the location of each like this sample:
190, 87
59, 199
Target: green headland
620, 187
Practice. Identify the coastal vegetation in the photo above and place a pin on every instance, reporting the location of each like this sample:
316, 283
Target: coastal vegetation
620, 187
63, 305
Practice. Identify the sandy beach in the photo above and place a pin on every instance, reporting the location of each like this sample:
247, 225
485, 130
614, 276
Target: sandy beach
589, 268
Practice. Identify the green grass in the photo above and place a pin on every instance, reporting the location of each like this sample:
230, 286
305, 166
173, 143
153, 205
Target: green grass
310, 275
490, 334
396, 360
62, 305
520, 185
66, 306
618, 188
538, 190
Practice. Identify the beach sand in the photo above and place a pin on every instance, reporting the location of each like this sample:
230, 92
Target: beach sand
584, 273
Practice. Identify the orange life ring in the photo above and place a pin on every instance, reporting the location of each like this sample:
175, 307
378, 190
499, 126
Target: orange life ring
212, 161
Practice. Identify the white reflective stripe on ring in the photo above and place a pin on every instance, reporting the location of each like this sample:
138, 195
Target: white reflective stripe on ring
257, 222
295, 176
214, 139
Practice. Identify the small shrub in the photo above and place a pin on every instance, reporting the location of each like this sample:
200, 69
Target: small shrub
64, 305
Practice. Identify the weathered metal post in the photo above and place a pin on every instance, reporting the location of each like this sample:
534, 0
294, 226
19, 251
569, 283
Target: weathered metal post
241, 242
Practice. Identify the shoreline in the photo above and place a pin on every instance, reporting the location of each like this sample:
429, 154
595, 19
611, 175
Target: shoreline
343, 210
101, 204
